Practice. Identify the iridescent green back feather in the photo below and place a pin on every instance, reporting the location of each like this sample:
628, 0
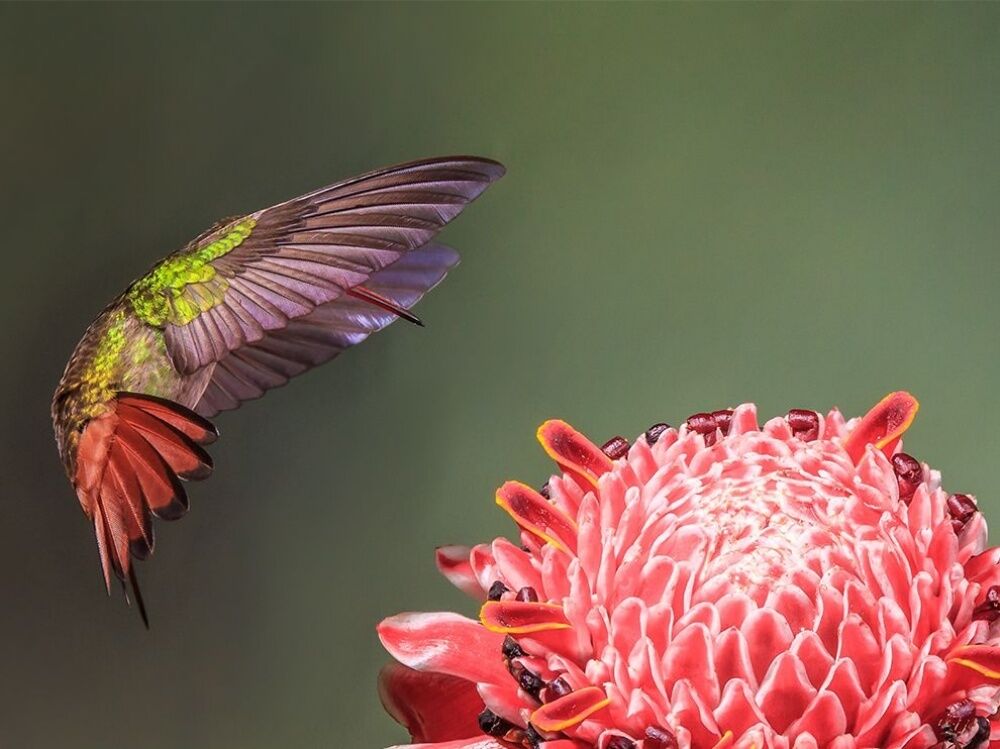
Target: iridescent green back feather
186, 284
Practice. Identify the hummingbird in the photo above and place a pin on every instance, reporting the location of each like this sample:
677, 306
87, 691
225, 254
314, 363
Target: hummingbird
246, 306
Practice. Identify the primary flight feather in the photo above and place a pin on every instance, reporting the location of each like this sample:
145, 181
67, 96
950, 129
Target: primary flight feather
243, 308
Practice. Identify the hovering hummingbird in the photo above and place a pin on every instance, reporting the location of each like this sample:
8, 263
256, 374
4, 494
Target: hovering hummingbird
246, 306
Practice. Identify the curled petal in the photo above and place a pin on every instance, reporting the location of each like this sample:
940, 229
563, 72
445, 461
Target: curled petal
569, 710
883, 425
573, 452
445, 643
454, 563
974, 665
432, 707
522, 617
537, 515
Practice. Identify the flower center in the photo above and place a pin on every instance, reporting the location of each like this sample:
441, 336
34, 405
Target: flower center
758, 532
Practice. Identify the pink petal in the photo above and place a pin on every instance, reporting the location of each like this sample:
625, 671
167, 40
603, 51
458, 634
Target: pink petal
824, 719
445, 643
453, 562
768, 635
785, 692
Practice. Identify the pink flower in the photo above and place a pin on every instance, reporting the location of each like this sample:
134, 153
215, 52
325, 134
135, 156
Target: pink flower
798, 585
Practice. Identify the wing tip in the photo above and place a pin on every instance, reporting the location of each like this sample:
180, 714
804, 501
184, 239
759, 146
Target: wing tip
487, 167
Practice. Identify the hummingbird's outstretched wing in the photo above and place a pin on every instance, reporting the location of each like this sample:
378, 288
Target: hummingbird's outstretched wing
251, 303
255, 274
308, 341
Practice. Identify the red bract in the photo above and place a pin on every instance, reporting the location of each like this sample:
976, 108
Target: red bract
792, 586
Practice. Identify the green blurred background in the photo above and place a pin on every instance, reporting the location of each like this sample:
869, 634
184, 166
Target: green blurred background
705, 204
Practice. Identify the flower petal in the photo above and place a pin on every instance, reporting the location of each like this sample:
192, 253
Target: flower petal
537, 515
569, 710
573, 452
453, 562
522, 617
445, 643
431, 706
785, 692
883, 425
970, 666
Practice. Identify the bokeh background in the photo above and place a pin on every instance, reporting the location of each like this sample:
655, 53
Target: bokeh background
705, 205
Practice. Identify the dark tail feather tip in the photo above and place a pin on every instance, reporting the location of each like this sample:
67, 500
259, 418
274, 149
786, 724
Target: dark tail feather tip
140, 604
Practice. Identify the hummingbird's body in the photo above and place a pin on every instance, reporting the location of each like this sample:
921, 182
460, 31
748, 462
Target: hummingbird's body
243, 308
117, 353
124, 349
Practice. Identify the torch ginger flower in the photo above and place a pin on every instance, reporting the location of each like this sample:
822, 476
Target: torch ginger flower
799, 585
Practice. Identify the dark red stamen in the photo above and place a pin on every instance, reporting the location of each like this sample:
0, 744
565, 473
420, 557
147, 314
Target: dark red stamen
615, 448
620, 742
493, 725
706, 424
657, 738
958, 718
559, 687
804, 424
961, 507
989, 609
979, 741
528, 738
532, 738
529, 681
703, 424
545, 491
654, 433
723, 419
527, 595
511, 649
909, 474
497, 591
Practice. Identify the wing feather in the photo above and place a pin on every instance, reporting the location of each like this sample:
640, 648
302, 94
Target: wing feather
280, 264
308, 341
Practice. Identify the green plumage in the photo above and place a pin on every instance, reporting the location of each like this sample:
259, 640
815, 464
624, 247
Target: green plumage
119, 352
124, 349
165, 293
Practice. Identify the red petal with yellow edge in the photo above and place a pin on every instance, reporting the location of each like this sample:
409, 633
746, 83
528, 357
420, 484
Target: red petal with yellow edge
570, 710
883, 425
522, 617
573, 452
537, 515
970, 666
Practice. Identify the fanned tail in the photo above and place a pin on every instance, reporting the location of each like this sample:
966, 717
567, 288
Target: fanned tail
129, 464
